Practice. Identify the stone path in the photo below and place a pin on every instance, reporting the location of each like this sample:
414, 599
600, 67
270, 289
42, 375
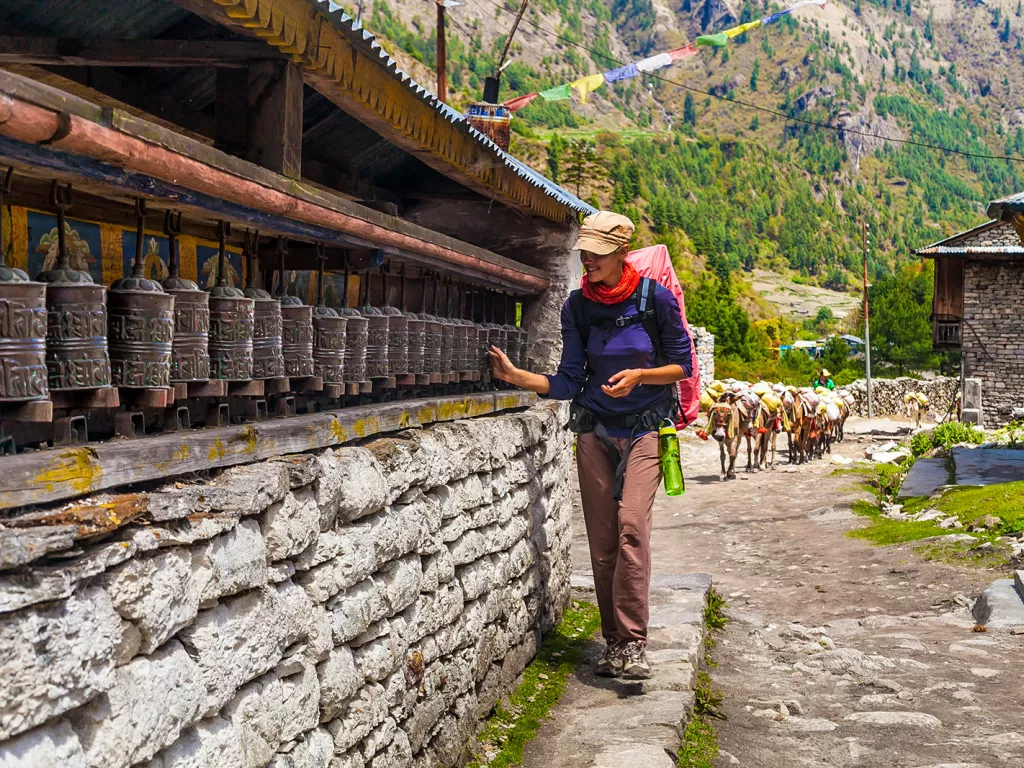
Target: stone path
601, 723
839, 653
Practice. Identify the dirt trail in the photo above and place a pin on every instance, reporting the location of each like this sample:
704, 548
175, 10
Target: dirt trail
838, 653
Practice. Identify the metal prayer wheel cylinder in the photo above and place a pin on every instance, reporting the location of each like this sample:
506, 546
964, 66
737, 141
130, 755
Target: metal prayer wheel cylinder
482, 362
398, 341
447, 344
231, 334
329, 332
511, 343
524, 348
76, 331
296, 337
140, 332
267, 346
472, 345
23, 373
190, 354
356, 341
377, 330
460, 350
417, 341
431, 344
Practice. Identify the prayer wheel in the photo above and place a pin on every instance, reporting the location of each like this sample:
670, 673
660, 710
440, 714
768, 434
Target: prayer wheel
377, 330
398, 335
356, 340
76, 316
417, 335
329, 331
232, 321
190, 347
460, 349
472, 345
296, 324
140, 323
267, 345
22, 327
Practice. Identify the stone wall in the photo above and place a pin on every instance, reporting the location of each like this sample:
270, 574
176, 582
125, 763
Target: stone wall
992, 342
356, 607
887, 394
542, 315
704, 341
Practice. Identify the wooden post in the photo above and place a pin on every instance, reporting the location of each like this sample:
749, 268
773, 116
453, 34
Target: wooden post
231, 111
442, 75
867, 331
275, 116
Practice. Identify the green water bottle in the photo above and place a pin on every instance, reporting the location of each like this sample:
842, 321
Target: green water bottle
671, 464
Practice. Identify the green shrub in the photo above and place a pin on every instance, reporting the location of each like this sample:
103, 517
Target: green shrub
954, 432
921, 443
1012, 435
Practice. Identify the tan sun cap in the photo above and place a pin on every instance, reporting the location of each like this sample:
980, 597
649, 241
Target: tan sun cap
604, 232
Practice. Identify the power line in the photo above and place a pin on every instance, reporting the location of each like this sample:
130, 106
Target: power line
768, 110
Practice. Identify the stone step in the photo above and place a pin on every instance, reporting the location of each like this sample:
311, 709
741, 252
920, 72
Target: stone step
1001, 605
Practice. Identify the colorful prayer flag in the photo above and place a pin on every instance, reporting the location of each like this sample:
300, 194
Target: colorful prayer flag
717, 40
519, 102
681, 53
654, 62
557, 93
737, 31
585, 85
622, 73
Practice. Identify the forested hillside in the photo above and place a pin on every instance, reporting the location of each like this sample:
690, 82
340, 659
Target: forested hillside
765, 153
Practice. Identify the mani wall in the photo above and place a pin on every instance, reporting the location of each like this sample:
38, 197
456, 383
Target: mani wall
356, 607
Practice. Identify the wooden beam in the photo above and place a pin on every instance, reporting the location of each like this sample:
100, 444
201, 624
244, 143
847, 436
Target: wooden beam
231, 131
45, 477
81, 52
275, 117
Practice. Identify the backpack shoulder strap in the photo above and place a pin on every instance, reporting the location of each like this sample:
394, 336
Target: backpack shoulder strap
577, 304
645, 309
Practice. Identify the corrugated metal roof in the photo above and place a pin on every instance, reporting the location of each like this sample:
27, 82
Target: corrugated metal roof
354, 32
1012, 203
971, 250
959, 235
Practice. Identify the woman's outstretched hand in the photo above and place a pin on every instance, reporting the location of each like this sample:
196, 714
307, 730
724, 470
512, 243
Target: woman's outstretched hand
622, 383
501, 366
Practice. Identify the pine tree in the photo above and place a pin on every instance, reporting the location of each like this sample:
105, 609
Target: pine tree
582, 163
754, 74
928, 33
689, 112
1005, 36
555, 151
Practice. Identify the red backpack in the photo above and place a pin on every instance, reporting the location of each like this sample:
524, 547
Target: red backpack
654, 262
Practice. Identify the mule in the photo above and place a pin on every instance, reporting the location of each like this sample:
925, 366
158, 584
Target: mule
772, 423
915, 411
724, 427
800, 422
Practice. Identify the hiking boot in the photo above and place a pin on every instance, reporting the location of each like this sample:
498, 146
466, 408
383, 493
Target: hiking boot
610, 665
634, 660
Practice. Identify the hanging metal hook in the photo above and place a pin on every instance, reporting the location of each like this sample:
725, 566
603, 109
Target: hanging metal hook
60, 198
140, 236
5, 189
172, 228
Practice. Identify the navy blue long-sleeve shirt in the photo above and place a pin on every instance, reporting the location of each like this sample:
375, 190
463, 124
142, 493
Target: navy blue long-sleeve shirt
617, 349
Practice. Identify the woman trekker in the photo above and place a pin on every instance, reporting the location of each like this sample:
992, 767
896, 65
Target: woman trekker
623, 349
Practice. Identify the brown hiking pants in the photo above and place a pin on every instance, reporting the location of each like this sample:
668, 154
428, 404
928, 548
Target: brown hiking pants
619, 532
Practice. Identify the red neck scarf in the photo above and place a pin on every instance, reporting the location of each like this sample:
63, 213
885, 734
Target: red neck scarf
615, 294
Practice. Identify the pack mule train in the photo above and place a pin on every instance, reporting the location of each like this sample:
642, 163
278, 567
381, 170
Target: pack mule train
738, 412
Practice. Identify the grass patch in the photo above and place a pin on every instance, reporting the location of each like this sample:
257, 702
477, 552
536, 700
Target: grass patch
700, 740
969, 505
516, 720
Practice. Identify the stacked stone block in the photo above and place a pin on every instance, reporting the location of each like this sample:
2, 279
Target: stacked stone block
704, 343
992, 342
887, 395
358, 608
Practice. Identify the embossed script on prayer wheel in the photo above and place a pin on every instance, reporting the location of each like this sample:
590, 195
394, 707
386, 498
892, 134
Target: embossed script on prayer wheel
232, 323
296, 337
431, 344
140, 324
22, 336
356, 341
472, 345
398, 341
447, 344
377, 328
329, 330
190, 353
459, 348
267, 345
511, 343
417, 341
76, 316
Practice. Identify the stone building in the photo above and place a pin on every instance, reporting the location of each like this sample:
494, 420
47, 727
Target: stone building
979, 288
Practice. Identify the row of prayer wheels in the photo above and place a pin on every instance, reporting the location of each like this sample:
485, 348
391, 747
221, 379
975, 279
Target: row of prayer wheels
62, 332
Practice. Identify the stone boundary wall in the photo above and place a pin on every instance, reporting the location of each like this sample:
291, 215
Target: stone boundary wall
887, 394
355, 607
704, 341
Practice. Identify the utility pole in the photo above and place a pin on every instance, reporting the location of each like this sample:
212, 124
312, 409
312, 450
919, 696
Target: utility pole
442, 76
867, 330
